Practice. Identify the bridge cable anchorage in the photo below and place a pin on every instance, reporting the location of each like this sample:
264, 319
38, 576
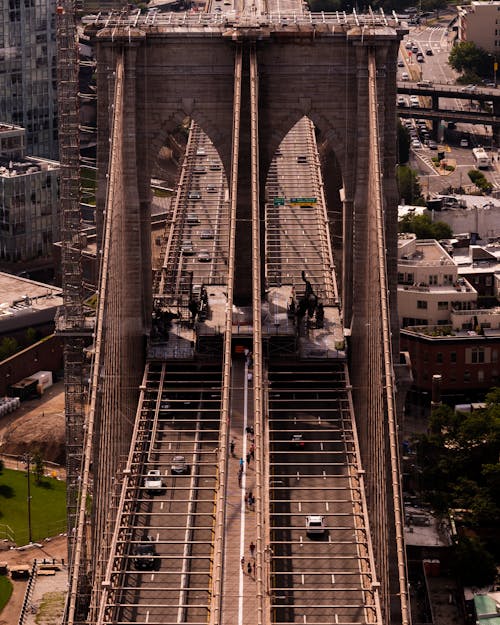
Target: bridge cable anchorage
218, 563
386, 337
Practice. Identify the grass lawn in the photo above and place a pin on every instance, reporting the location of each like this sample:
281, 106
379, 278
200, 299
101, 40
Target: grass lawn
5, 591
48, 506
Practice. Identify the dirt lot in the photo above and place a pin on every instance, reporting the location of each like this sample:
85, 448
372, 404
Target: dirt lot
37, 424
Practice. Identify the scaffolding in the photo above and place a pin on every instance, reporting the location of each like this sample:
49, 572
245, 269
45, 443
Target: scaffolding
70, 322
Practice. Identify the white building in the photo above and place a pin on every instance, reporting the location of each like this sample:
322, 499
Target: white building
428, 283
480, 22
29, 201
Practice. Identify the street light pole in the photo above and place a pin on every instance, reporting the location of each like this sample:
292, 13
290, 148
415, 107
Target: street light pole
28, 461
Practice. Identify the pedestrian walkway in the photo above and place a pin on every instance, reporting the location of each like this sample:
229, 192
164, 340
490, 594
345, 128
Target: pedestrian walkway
239, 604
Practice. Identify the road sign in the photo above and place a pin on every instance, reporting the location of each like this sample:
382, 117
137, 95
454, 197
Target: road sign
303, 200
279, 201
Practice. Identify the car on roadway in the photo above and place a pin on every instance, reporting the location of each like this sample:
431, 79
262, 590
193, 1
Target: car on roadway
187, 248
194, 195
144, 555
401, 100
432, 145
414, 49
204, 256
401, 63
153, 482
214, 166
199, 169
297, 441
408, 45
179, 466
416, 144
192, 219
207, 234
201, 152
464, 143
429, 52
420, 58
315, 524
405, 76
212, 188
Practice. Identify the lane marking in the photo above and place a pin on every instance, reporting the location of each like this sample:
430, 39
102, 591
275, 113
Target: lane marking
242, 494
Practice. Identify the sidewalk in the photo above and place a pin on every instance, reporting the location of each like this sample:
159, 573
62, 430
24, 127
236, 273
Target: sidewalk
239, 603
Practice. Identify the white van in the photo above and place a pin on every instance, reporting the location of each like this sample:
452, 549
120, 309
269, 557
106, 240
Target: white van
315, 524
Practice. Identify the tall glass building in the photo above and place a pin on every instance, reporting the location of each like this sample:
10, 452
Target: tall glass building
28, 72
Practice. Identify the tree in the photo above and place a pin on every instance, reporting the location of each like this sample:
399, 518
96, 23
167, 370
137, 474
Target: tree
424, 227
468, 58
474, 563
403, 144
38, 466
31, 336
409, 185
8, 347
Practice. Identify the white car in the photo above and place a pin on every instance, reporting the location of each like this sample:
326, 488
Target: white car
416, 144
464, 143
401, 100
204, 256
315, 524
153, 482
405, 76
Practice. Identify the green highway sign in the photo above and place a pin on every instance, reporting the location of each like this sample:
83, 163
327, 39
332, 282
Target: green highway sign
279, 201
303, 200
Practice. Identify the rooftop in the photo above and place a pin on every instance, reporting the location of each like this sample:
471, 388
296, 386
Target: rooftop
23, 166
20, 295
422, 252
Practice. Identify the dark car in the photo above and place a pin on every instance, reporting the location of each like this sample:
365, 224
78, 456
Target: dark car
297, 441
429, 52
144, 558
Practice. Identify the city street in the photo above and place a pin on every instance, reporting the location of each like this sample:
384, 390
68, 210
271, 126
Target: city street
434, 41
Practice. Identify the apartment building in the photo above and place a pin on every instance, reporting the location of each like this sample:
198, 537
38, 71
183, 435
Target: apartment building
28, 72
29, 201
480, 22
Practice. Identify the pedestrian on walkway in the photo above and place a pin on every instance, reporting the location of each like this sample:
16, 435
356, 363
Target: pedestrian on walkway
240, 475
242, 462
242, 563
252, 451
247, 499
251, 501
252, 548
249, 457
231, 447
249, 568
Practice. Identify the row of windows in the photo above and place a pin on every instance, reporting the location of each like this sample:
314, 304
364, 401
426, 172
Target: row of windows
474, 355
467, 377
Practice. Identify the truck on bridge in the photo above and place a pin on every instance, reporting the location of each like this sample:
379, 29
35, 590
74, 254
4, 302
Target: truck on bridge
483, 161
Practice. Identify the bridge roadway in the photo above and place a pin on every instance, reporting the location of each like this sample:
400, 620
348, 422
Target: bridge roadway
194, 406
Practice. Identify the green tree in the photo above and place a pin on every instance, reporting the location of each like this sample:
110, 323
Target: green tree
403, 144
469, 58
474, 563
424, 228
8, 347
31, 336
409, 186
38, 466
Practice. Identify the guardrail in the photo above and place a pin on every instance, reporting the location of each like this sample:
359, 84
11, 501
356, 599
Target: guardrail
27, 595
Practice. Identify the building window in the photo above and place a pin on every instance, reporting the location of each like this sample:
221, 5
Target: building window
442, 305
433, 280
488, 280
480, 376
477, 355
467, 376
439, 357
447, 279
421, 303
453, 356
